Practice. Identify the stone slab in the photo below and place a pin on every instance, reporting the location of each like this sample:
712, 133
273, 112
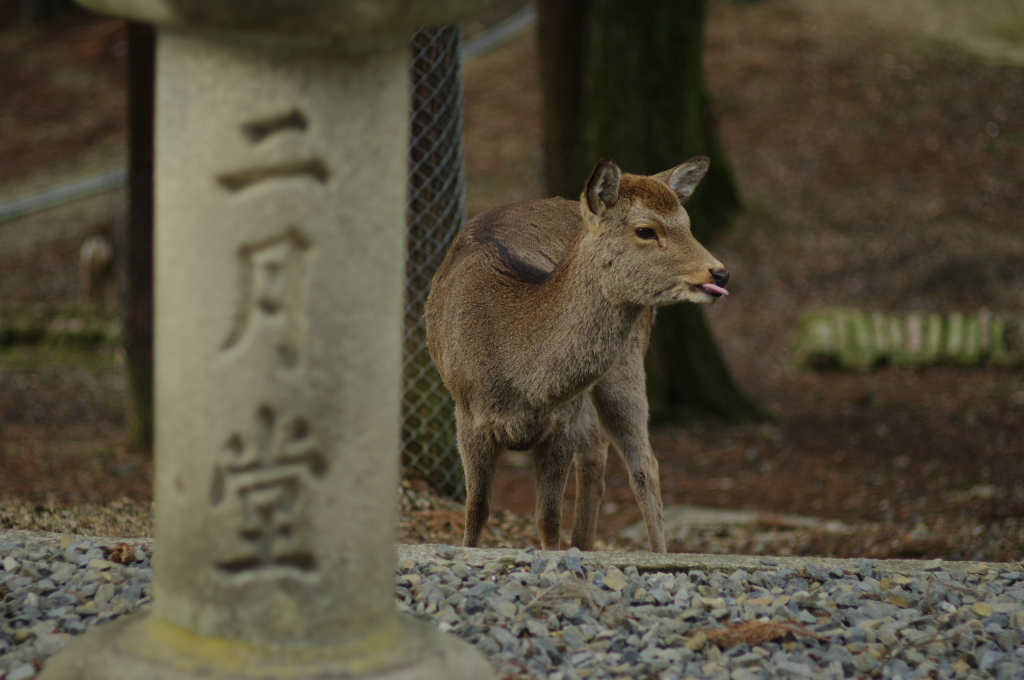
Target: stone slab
680, 517
677, 562
643, 561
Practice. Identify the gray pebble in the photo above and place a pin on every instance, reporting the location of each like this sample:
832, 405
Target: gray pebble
572, 559
22, 672
553, 615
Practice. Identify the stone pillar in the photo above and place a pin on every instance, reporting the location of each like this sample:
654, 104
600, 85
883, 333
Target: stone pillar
280, 242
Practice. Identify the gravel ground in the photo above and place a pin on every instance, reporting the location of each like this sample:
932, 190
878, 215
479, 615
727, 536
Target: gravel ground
51, 593
562, 616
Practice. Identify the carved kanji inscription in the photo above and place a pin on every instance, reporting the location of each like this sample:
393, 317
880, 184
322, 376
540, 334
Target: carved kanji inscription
273, 295
256, 131
262, 482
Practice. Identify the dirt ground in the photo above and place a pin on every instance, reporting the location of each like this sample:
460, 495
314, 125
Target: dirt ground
879, 168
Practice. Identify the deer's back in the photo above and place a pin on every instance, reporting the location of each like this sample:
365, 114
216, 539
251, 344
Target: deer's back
525, 241
492, 281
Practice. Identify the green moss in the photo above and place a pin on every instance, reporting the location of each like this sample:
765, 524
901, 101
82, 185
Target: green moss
854, 340
29, 356
1010, 29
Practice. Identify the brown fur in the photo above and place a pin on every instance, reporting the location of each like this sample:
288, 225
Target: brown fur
96, 289
652, 193
538, 320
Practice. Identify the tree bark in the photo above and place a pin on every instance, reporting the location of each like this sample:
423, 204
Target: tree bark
136, 259
561, 40
646, 105
45, 11
687, 378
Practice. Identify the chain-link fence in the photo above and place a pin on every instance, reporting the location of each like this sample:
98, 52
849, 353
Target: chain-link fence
435, 212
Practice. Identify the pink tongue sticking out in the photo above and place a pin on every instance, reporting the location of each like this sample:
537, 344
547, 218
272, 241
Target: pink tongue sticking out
712, 288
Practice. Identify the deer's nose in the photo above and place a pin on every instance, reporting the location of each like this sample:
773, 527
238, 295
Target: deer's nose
721, 277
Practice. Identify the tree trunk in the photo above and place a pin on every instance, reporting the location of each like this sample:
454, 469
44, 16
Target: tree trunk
136, 259
561, 33
45, 11
687, 378
646, 106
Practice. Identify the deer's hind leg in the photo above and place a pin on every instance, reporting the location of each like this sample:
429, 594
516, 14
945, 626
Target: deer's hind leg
591, 456
479, 455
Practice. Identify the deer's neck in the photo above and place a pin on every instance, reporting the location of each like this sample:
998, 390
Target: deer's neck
584, 332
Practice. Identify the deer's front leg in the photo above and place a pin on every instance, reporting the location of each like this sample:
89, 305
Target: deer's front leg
552, 459
621, 401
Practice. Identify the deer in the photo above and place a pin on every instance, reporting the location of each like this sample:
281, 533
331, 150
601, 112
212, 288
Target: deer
96, 287
538, 320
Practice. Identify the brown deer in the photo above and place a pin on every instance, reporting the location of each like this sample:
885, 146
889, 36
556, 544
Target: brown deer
96, 284
538, 320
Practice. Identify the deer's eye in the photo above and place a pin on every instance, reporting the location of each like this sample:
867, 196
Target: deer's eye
646, 233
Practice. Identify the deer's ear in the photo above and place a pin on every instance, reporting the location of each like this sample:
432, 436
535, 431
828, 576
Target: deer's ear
602, 191
685, 177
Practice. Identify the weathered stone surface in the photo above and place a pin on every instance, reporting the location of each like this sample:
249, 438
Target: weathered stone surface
130, 648
279, 248
291, 371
